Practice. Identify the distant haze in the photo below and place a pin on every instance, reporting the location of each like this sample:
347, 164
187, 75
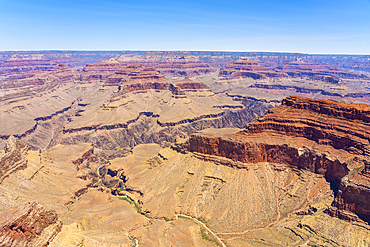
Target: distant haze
311, 26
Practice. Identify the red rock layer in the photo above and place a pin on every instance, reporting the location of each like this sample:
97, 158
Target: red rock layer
178, 88
325, 137
247, 68
101, 70
20, 225
190, 84
137, 77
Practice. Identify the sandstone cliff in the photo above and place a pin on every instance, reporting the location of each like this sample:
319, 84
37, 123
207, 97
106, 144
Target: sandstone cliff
324, 137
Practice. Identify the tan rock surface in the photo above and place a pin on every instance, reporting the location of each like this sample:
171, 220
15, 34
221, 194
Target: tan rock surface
260, 204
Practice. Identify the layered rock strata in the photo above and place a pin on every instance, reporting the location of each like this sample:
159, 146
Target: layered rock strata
179, 88
28, 225
33, 61
137, 77
323, 71
14, 158
170, 63
325, 137
247, 68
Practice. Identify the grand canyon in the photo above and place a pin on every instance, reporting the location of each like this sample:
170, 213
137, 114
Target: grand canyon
184, 148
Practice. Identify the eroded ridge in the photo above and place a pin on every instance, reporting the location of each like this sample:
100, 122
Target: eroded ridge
322, 136
14, 158
28, 225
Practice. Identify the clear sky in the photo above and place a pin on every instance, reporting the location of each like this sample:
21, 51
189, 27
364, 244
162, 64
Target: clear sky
307, 26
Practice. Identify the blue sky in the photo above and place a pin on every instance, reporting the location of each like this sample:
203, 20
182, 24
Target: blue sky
308, 26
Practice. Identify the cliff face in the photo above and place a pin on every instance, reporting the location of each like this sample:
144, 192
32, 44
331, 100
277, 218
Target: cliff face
178, 88
15, 157
28, 225
101, 70
137, 77
322, 136
247, 68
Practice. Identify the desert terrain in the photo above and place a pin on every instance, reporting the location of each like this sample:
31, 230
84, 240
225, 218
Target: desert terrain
184, 149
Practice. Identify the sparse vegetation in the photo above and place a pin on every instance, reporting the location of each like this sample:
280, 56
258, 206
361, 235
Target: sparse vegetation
203, 221
206, 236
124, 198
137, 207
357, 170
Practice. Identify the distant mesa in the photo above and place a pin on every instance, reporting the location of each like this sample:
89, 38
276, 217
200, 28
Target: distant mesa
319, 71
137, 77
23, 64
249, 69
179, 88
101, 70
170, 63
33, 61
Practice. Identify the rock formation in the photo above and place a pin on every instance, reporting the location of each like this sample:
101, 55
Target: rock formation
324, 137
247, 68
179, 88
102, 156
33, 61
300, 68
22, 64
28, 225
14, 158
170, 63
137, 77
101, 70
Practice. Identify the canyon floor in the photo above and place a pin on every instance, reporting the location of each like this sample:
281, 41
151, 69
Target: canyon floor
183, 149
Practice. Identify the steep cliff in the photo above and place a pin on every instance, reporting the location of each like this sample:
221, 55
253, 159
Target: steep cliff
325, 137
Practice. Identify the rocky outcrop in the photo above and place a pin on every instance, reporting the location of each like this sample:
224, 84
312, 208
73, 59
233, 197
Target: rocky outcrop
137, 77
246, 68
28, 225
178, 88
101, 70
15, 157
325, 137
92, 166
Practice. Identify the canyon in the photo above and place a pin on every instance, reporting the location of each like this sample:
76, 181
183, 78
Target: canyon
183, 148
